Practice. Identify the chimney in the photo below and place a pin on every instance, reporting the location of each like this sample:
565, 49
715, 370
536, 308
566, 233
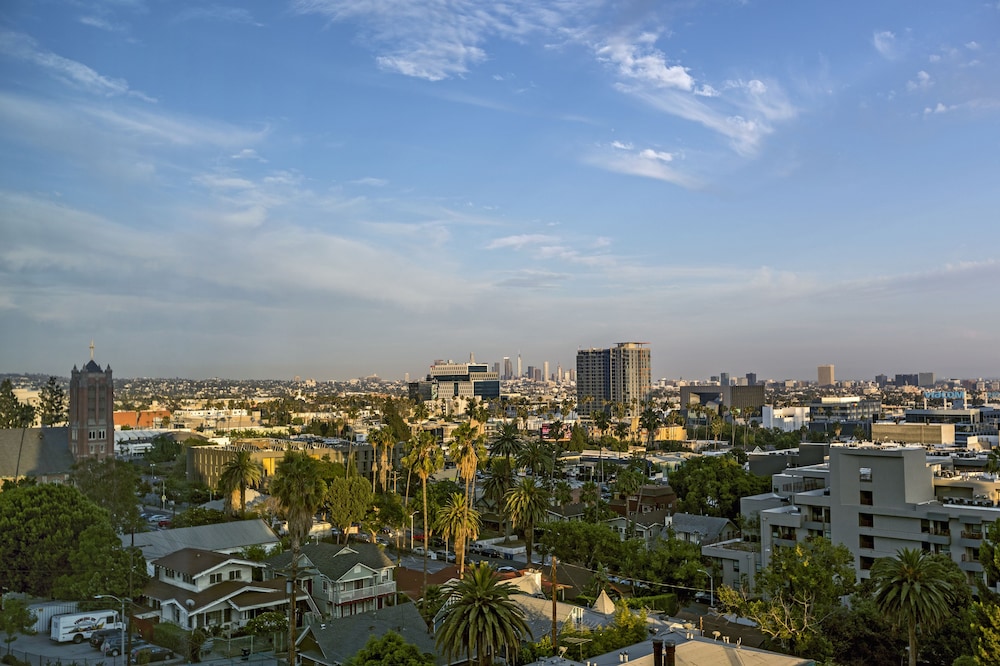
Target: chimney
669, 653
657, 652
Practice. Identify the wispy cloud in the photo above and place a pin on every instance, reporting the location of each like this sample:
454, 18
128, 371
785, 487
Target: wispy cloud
248, 154
103, 24
884, 42
520, 241
533, 279
371, 182
647, 163
217, 13
921, 82
641, 61
24, 47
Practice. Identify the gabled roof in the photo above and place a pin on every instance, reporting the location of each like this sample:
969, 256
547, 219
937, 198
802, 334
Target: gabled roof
335, 561
44, 452
708, 526
239, 594
338, 640
222, 537
195, 561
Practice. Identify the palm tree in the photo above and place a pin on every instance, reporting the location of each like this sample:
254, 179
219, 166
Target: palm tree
480, 619
993, 462
562, 493
382, 441
300, 491
425, 458
601, 421
916, 589
589, 493
507, 442
536, 457
456, 520
499, 479
526, 504
240, 472
649, 421
466, 450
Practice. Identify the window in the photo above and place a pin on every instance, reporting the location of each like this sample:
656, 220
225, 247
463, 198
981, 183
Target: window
866, 473
866, 520
867, 498
867, 562
215, 578
866, 541
168, 573
235, 575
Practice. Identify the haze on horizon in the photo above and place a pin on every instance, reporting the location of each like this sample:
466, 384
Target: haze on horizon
334, 189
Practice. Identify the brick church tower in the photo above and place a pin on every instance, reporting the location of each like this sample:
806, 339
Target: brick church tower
91, 411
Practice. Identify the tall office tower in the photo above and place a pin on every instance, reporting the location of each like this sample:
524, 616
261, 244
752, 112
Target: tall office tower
925, 379
881, 380
825, 375
906, 380
545, 371
518, 365
751, 379
508, 371
530, 372
496, 368
724, 378
91, 411
607, 376
559, 373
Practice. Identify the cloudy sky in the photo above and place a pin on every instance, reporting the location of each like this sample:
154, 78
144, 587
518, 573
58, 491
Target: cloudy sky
335, 188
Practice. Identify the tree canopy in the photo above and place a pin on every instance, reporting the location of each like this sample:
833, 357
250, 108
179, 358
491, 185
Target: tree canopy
112, 485
390, 650
52, 403
713, 486
13, 412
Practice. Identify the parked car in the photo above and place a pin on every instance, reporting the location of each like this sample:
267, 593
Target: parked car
446, 556
419, 550
98, 637
149, 653
491, 552
476, 548
506, 570
113, 647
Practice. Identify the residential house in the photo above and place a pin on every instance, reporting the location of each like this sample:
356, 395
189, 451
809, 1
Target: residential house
343, 580
197, 588
702, 530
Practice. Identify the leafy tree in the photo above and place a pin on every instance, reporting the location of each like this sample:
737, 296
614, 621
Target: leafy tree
458, 521
988, 628
801, 586
482, 622
197, 516
52, 537
112, 485
577, 438
577, 542
860, 635
713, 486
13, 412
348, 500
164, 449
390, 650
52, 403
271, 622
15, 618
915, 590
526, 504
239, 473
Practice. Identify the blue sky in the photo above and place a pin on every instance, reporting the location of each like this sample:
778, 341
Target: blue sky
338, 188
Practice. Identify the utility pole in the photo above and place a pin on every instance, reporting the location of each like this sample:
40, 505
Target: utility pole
555, 635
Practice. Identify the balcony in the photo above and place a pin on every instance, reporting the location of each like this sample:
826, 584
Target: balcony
367, 592
967, 534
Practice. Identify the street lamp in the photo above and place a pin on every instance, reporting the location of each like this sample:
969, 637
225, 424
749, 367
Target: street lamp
121, 618
711, 581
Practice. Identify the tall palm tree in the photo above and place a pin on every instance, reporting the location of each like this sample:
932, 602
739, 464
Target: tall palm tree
590, 493
425, 458
526, 504
383, 440
915, 589
300, 490
238, 473
536, 456
466, 450
481, 622
456, 520
499, 479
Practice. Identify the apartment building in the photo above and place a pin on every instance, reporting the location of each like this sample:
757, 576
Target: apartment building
619, 375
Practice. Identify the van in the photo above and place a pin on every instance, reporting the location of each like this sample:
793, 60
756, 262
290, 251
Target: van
78, 627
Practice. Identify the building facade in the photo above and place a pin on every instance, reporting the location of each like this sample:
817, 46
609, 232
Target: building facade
604, 377
91, 411
824, 375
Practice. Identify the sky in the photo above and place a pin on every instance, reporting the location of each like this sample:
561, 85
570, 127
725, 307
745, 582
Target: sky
340, 188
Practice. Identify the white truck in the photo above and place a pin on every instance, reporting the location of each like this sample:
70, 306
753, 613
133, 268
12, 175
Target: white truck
78, 627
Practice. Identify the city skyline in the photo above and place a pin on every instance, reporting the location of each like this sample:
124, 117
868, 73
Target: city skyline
335, 189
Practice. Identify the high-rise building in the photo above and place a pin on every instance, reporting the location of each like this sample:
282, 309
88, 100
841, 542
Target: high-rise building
881, 380
825, 375
519, 365
508, 370
925, 379
620, 374
724, 378
91, 411
454, 380
545, 371
906, 380
751, 379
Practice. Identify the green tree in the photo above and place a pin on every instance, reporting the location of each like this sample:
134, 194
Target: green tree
15, 618
713, 486
112, 485
13, 412
562, 493
390, 650
52, 403
577, 542
507, 442
466, 450
915, 590
801, 588
197, 516
481, 621
425, 458
271, 622
58, 539
526, 504
300, 490
238, 474
348, 500
458, 521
